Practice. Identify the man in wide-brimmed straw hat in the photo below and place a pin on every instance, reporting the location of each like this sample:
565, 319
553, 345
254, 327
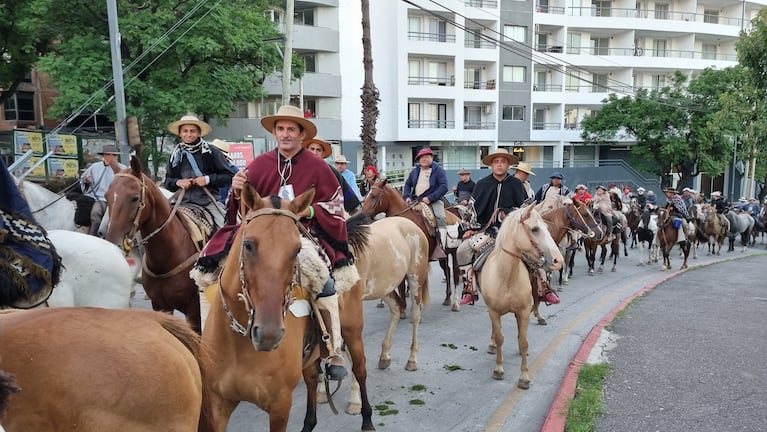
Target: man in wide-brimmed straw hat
198, 167
289, 171
676, 204
94, 183
523, 171
322, 150
427, 183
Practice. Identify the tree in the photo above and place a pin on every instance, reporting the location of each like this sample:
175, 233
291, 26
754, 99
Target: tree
370, 96
671, 127
213, 56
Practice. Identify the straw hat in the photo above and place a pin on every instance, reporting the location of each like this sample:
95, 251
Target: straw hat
326, 150
669, 190
524, 167
341, 159
109, 149
601, 187
292, 113
716, 193
221, 145
488, 160
189, 119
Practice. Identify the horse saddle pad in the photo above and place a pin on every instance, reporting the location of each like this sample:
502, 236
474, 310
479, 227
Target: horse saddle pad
198, 222
453, 240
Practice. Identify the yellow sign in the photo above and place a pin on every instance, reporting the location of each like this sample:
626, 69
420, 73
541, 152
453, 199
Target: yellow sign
37, 172
63, 168
26, 141
62, 145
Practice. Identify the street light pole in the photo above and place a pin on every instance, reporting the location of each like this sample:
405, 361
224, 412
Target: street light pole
117, 75
287, 58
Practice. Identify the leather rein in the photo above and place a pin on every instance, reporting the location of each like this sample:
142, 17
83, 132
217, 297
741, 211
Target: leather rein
243, 295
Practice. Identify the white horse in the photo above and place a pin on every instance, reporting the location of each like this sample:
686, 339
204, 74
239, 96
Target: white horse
647, 232
51, 210
95, 272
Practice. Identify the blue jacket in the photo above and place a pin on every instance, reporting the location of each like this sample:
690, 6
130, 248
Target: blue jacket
437, 183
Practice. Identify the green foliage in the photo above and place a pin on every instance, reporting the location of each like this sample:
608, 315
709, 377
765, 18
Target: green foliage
586, 406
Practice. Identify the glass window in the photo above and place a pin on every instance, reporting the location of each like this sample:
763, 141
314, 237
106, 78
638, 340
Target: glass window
515, 33
661, 11
310, 63
414, 115
20, 106
513, 112
514, 73
709, 51
711, 16
304, 17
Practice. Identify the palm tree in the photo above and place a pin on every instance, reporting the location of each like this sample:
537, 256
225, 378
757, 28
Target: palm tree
370, 95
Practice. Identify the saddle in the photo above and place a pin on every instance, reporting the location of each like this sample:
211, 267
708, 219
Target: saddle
198, 222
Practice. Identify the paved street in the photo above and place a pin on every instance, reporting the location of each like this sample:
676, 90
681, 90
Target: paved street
452, 390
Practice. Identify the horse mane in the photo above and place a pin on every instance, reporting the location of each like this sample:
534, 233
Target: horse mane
7, 388
511, 220
358, 230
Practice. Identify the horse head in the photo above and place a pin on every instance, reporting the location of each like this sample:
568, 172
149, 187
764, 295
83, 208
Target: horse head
582, 220
524, 234
377, 200
261, 267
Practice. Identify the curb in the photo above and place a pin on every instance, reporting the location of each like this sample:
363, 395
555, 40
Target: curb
557, 415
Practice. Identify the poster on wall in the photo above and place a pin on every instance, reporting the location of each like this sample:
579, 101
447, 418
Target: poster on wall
241, 154
62, 145
39, 171
63, 168
25, 141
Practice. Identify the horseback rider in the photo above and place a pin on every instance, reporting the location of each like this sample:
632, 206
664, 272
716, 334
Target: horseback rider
753, 209
676, 204
94, 183
289, 171
199, 168
427, 183
641, 198
549, 194
603, 203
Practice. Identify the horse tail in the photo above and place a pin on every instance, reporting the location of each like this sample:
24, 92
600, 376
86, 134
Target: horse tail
7, 388
191, 340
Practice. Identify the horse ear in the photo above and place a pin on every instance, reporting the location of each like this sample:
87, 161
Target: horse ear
135, 166
383, 181
249, 199
302, 201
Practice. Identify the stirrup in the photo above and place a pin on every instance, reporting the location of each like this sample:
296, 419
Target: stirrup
335, 372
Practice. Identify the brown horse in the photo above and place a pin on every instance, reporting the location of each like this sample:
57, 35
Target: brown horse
383, 198
667, 238
590, 248
136, 205
95, 370
258, 331
713, 230
504, 281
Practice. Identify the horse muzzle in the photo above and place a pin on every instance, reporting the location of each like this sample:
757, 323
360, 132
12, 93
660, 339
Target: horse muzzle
266, 340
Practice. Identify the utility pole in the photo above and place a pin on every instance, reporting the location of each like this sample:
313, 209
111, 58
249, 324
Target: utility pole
287, 57
117, 75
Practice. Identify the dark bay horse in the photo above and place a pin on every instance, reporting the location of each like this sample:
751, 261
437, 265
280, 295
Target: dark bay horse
590, 248
667, 238
95, 370
136, 204
259, 323
383, 198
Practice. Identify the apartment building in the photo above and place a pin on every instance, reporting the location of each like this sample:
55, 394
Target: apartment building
467, 76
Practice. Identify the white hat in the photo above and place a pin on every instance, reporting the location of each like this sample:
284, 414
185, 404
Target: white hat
340, 159
716, 193
221, 145
189, 119
640, 190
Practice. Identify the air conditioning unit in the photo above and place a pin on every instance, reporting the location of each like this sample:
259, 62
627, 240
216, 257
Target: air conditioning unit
488, 109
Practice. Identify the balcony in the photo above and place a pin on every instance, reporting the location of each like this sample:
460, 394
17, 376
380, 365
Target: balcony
547, 126
472, 125
490, 4
547, 87
480, 85
431, 81
430, 124
431, 37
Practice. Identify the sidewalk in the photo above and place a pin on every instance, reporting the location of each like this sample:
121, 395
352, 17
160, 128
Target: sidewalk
690, 355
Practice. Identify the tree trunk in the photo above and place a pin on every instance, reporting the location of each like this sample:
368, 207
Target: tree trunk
370, 95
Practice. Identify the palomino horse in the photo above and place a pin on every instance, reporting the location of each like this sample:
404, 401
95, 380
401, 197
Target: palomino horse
523, 241
95, 272
136, 204
51, 210
713, 230
257, 331
667, 238
96, 370
590, 248
395, 249
740, 223
383, 198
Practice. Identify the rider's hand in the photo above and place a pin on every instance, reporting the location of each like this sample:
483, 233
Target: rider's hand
184, 183
425, 200
238, 181
468, 234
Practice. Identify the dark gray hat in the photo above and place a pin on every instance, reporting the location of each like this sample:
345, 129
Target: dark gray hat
109, 149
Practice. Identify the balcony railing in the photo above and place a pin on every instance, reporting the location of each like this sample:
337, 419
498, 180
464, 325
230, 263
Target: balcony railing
598, 88
478, 125
431, 37
431, 81
479, 85
546, 126
658, 14
547, 87
491, 4
648, 52
479, 43
431, 124
558, 10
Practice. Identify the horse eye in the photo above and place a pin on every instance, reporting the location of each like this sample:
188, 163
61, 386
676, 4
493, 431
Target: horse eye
134, 199
248, 246
535, 230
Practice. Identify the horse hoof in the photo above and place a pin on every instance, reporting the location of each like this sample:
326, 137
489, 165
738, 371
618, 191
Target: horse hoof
523, 384
411, 366
446, 302
354, 409
542, 321
384, 364
498, 375
456, 308
613, 270
491, 350
683, 267
565, 283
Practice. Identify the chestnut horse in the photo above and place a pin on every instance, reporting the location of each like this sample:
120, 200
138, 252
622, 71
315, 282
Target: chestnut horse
257, 329
667, 238
504, 281
590, 248
135, 203
383, 198
95, 370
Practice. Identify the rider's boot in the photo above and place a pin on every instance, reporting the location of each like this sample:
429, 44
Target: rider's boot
335, 367
544, 289
469, 296
439, 249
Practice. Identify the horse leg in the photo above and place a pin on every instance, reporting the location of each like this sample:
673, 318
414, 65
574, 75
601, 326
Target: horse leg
401, 298
522, 320
623, 240
351, 329
415, 318
571, 264
311, 374
384, 360
616, 252
496, 343
602, 257
445, 266
537, 301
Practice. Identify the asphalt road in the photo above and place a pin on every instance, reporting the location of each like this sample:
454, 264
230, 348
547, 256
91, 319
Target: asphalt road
453, 390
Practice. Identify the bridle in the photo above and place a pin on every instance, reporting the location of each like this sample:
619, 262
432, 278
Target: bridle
582, 224
528, 262
377, 199
243, 295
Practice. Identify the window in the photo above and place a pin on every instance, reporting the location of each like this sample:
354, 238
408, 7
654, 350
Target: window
304, 17
661, 11
600, 46
414, 115
513, 112
273, 15
601, 8
573, 43
437, 73
709, 51
659, 47
658, 81
437, 115
472, 117
514, 73
414, 72
541, 81
240, 110
472, 78
539, 119
515, 33
473, 38
20, 106
437, 30
599, 84
310, 108
310, 64
711, 16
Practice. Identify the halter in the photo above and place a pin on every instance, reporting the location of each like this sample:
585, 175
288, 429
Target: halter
128, 241
378, 199
582, 224
243, 295
529, 263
